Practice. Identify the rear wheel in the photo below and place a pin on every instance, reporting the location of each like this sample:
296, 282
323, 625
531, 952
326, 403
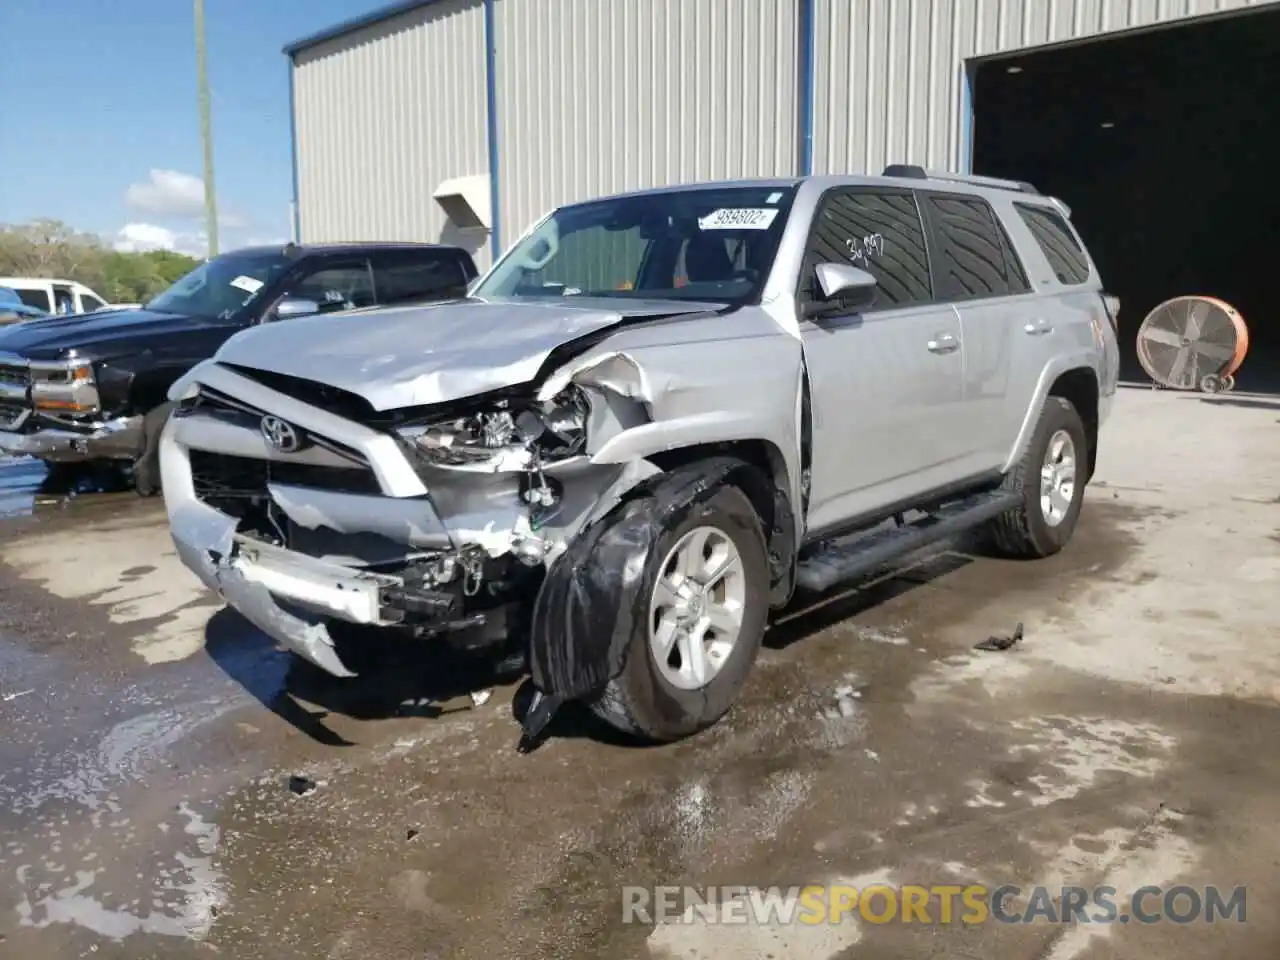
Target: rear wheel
707, 585
1051, 480
146, 469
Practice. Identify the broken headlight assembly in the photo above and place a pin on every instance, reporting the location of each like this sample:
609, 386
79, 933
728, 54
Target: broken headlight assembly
505, 435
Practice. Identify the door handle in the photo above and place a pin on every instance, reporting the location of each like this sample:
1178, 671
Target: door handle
944, 343
1037, 328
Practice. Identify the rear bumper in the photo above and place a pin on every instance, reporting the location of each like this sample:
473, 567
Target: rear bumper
119, 439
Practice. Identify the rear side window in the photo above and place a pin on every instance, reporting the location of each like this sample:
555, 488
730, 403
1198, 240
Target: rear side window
972, 257
407, 280
879, 232
1066, 258
36, 298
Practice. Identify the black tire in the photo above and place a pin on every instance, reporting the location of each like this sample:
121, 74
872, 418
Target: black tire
640, 701
146, 469
1023, 532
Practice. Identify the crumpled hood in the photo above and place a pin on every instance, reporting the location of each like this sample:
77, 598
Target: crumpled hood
413, 356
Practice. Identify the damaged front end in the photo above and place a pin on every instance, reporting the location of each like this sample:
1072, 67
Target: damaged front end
302, 505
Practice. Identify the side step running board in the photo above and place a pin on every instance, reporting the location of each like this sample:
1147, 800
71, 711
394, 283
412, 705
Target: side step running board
858, 555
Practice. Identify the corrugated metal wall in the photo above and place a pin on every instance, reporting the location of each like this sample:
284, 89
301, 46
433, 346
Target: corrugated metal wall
599, 96
382, 116
889, 73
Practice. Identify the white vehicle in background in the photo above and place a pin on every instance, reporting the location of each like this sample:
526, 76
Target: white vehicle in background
61, 297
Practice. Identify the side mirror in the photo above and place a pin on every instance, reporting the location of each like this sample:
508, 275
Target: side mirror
845, 287
291, 307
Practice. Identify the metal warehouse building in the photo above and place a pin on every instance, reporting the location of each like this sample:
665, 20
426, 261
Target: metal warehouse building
465, 120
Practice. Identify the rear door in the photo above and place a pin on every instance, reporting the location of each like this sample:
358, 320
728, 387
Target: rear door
885, 383
976, 268
419, 276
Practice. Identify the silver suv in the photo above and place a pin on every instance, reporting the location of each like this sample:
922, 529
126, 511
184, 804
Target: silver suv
652, 422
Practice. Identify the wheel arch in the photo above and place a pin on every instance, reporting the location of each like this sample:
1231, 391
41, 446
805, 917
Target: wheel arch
1075, 379
767, 484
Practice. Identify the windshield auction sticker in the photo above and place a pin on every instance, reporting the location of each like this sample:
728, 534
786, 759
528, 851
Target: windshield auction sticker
738, 218
247, 284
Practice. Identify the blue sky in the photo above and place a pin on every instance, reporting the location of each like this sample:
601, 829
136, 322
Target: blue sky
98, 112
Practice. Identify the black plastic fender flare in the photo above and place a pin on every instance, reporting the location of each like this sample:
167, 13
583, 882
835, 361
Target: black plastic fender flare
587, 607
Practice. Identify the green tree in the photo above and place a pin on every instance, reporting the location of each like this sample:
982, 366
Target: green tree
50, 248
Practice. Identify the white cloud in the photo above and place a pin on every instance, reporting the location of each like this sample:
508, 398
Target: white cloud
141, 237
171, 193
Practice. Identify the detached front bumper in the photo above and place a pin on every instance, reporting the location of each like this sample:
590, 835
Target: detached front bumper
258, 580
119, 439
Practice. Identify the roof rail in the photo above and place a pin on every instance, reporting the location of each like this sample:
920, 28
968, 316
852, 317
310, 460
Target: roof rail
910, 171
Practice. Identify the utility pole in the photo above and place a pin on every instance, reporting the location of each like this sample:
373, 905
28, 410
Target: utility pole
206, 134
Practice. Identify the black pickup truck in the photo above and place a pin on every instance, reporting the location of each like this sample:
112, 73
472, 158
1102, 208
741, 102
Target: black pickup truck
81, 389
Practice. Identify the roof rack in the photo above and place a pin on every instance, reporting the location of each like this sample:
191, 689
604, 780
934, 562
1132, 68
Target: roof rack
910, 171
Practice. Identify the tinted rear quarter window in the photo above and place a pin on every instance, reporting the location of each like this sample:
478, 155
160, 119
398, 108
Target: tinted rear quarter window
877, 231
972, 256
1058, 243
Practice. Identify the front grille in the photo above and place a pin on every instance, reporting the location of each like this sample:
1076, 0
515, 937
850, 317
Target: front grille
235, 484
14, 376
246, 415
12, 415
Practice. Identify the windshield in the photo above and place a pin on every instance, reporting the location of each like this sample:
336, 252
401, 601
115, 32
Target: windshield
715, 244
222, 287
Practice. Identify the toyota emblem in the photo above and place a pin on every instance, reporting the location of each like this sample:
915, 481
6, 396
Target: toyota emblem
280, 435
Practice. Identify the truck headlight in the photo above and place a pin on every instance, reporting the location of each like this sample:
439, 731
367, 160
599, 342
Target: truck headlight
510, 435
64, 386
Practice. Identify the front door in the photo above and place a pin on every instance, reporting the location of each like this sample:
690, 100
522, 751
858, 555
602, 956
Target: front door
886, 382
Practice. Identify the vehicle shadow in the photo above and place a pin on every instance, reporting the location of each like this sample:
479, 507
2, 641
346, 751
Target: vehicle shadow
402, 677
396, 676
1256, 403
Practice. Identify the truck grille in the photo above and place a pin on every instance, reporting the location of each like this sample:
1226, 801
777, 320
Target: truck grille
14, 376
12, 415
234, 484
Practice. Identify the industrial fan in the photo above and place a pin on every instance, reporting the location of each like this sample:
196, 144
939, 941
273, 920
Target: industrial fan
1190, 343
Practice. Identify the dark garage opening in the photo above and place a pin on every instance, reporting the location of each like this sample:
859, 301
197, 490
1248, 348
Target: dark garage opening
1161, 143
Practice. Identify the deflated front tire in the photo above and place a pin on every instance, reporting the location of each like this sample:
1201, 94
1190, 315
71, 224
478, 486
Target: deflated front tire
703, 609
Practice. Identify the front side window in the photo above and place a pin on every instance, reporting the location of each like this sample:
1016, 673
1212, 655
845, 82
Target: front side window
65, 300
1056, 241
89, 303
713, 244
972, 257
879, 231
221, 288
336, 286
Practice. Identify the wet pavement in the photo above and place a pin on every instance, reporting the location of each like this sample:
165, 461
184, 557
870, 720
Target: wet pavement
149, 739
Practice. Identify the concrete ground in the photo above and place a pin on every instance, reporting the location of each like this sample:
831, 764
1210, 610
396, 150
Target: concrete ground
1129, 740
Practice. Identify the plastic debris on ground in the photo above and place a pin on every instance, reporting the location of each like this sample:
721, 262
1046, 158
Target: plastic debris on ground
1001, 643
